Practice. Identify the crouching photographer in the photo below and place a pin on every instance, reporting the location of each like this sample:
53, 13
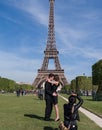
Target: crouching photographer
71, 114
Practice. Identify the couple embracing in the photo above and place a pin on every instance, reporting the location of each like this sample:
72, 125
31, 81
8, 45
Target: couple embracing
51, 96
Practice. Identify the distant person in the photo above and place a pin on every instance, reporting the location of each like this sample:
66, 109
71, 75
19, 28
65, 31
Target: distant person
18, 92
71, 114
49, 97
22, 92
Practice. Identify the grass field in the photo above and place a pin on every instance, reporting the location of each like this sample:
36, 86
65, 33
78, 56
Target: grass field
27, 113
93, 106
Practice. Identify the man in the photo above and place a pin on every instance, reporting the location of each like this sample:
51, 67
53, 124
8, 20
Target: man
49, 97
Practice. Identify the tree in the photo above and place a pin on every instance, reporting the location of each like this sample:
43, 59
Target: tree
73, 85
81, 84
65, 89
4, 84
97, 78
97, 73
9, 85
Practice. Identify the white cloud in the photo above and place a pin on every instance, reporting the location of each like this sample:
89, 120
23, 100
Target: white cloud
8, 18
77, 69
18, 68
32, 8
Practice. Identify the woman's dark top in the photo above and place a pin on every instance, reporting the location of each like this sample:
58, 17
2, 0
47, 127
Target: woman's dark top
68, 115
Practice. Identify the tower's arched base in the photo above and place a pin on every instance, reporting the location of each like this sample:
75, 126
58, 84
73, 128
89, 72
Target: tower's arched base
42, 76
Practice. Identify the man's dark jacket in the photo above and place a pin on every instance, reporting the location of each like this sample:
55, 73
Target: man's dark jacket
48, 90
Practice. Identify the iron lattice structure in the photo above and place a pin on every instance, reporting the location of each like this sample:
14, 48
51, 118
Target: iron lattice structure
50, 52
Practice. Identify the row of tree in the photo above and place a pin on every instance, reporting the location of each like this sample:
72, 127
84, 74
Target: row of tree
9, 85
84, 84
97, 79
81, 82
81, 85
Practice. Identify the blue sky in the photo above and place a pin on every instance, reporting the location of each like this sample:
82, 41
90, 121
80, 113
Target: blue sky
24, 30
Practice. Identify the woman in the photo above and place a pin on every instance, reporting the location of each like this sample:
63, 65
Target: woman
55, 83
71, 112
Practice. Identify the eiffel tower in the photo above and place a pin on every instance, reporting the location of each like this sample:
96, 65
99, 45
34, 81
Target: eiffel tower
50, 52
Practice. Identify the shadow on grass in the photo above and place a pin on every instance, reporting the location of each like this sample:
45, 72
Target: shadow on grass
35, 116
50, 128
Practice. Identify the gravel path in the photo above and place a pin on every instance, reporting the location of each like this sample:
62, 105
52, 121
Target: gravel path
90, 115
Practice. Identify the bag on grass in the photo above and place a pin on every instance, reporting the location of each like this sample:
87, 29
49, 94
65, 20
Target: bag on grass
63, 127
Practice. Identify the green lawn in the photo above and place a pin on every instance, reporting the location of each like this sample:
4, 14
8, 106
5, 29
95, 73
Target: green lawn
27, 113
93, 106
